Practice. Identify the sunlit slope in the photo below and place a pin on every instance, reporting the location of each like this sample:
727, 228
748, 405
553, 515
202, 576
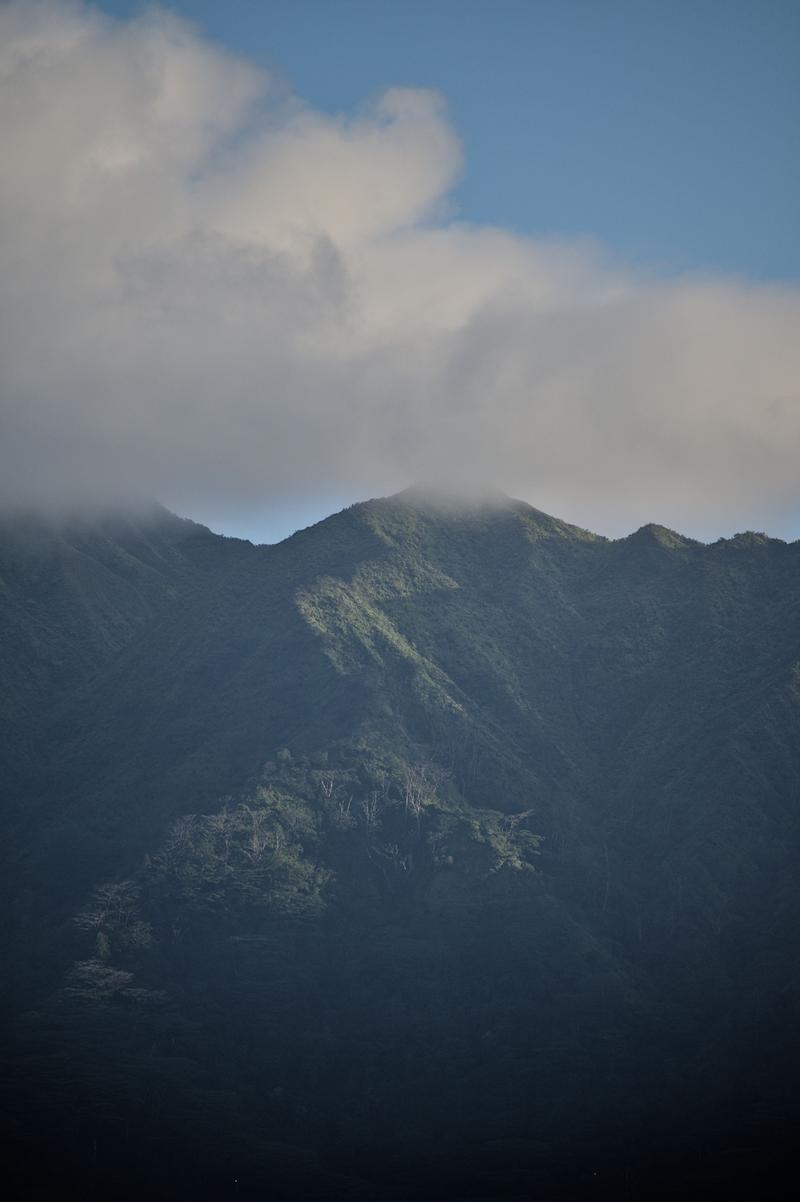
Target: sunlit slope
542, 666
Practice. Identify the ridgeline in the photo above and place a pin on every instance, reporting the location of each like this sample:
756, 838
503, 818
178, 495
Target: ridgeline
440, 851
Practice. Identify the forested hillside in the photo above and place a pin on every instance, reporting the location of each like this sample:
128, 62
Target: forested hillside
442, 850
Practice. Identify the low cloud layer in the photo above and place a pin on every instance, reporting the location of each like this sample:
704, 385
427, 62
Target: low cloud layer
213, 294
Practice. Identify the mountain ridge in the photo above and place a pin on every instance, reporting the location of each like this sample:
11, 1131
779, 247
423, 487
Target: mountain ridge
539, 787
438, 501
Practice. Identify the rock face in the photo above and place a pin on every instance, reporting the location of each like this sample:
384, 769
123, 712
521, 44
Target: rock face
442, 850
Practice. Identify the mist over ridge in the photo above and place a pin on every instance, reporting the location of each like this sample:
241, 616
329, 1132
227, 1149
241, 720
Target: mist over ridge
444, 500
230, 299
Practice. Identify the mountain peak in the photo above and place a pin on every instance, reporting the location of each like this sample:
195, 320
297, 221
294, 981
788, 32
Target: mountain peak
661, 536
458, 502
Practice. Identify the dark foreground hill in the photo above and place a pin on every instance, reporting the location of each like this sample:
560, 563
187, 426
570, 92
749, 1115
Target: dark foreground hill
440, 851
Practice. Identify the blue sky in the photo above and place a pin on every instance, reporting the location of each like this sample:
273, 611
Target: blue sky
667, 130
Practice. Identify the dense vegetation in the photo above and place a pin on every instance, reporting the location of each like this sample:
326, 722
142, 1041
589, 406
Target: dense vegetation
439, 851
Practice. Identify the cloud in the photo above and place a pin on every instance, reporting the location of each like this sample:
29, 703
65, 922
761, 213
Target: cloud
212, 293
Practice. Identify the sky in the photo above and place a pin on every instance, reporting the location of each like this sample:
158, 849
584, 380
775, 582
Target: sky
264, 259
667, 130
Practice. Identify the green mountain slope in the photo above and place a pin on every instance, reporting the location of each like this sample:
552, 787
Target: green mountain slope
75, 593
441, 850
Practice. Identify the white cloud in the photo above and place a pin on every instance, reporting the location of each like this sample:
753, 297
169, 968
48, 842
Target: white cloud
210, 292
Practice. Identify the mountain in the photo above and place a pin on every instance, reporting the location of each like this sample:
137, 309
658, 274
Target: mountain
443, 850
